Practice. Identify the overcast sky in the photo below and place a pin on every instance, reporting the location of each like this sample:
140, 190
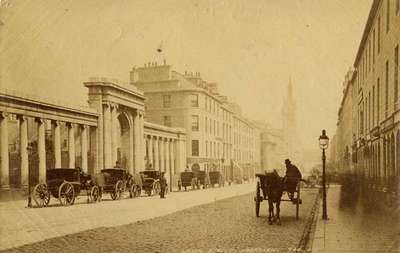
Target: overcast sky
250, 48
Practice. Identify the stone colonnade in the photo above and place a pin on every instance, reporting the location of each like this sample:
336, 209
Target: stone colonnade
24, 148
165, 152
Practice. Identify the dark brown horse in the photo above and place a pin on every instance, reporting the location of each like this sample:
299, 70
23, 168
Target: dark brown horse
273, 190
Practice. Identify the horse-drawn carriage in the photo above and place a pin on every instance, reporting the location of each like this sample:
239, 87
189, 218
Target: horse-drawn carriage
65, 184
187, 178
151, 182
116, 181
202, 179
216, 178
271, 187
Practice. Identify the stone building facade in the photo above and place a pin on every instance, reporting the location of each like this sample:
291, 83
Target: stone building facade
110, 132
373, 92
218, 136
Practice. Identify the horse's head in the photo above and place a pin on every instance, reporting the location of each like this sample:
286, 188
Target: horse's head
272, 179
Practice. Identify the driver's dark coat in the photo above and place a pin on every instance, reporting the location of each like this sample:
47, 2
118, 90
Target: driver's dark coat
293, 171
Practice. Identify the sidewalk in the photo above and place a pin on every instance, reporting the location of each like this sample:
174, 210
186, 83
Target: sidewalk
351, 229
21, 225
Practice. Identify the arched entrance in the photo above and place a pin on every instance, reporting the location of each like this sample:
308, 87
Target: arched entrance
123, 147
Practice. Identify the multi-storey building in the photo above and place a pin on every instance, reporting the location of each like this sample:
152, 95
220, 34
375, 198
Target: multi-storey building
214, 126
375, 99
342, 153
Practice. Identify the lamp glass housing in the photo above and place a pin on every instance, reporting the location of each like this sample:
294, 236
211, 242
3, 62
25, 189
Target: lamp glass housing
323, 142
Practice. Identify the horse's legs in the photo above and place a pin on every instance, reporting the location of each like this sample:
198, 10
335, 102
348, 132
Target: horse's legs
278, 210
270, 211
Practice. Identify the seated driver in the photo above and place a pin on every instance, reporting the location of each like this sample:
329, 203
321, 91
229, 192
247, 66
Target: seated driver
292, 177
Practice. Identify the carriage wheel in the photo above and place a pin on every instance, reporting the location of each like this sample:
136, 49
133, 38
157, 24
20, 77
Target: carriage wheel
156, 188
257, 199
66, 194
41, 195
94, 194
118, 189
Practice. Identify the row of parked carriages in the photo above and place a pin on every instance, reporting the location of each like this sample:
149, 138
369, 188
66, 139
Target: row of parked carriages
200, 179
65, 184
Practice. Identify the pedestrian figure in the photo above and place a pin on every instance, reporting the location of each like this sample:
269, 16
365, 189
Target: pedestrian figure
292, 178
163, 185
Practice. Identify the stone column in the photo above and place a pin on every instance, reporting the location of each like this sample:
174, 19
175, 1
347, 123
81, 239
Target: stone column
23, 138
137, 143
131, 156
107, 135
142, 140
42, 149
84, 149
4, 157
172, 155
156, 154
114, 118
167, 157
162, 154
57, 144
150, 151
71, 145
96, 149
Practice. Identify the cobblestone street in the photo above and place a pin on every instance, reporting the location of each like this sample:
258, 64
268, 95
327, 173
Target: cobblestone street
227, 225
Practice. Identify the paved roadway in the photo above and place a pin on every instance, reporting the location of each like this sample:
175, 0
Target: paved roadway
125, 226
21, 225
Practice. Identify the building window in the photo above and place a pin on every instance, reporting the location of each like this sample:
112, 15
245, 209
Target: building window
206, 148
396, 73
379, 34
167, 101
195, 123
195, 147
205, 103
387, 15
397, 6
194, 100
167, 121
206, 125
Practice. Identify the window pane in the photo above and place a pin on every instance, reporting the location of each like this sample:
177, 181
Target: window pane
195, 100
195, 123
166, 101
195, 148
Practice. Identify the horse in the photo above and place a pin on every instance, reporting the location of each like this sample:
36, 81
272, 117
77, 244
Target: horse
273, 190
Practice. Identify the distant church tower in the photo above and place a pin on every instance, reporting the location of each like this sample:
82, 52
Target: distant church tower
291, 143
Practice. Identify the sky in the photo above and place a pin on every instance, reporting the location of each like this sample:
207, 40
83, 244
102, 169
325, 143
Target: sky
250, 48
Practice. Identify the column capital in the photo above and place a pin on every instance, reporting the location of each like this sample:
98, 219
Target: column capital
56, 122
22, 117
40, 120
107, 104
83, 127
70, 124
114, 106
4, 115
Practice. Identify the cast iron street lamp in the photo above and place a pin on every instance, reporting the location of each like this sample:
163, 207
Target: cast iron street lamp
323, 144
